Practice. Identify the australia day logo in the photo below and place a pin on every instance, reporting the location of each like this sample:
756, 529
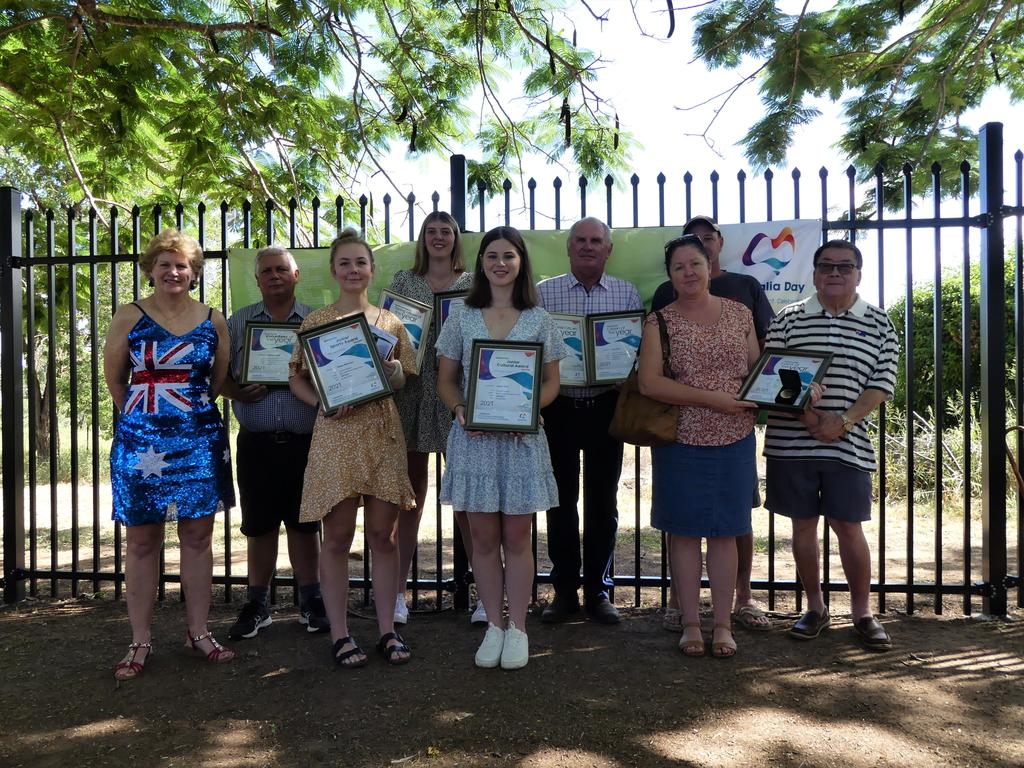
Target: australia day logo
771, 251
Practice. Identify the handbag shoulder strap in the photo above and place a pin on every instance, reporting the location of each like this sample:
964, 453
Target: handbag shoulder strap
663, 330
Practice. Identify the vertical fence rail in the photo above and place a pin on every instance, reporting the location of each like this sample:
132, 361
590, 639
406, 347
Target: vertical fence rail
12, 406
993, 373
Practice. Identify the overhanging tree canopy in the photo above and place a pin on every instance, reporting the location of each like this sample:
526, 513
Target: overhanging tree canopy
280, 99
907, 69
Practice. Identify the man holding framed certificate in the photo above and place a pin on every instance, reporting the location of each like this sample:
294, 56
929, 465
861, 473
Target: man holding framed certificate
820, 463
275, 429
578, 421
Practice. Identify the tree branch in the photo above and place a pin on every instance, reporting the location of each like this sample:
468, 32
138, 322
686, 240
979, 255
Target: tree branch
88, 8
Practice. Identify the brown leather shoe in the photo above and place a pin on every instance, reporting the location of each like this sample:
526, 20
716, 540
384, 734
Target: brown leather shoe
872, 634
810, 625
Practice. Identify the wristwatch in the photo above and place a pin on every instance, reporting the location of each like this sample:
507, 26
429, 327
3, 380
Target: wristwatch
847, 424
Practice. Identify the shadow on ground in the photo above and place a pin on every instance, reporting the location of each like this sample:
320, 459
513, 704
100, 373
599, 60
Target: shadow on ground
951, 693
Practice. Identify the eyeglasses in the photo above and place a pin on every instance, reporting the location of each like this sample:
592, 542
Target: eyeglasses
675, 242
827, 268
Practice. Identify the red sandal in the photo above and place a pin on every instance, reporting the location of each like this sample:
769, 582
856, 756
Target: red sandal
129, 668
218, 654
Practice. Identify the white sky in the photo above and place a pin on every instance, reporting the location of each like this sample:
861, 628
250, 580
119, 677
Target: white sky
648, 80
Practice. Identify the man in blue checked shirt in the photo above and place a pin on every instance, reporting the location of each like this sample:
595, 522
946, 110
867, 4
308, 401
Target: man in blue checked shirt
578, 421
275, 429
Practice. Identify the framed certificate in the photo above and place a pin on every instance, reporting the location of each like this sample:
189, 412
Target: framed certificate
781, 379
415, 316
386, 342
345, 365
573, 368
444, 303
266, 350
504, 386
614, 342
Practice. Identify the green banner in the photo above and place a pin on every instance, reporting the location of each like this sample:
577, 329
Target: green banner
637, 256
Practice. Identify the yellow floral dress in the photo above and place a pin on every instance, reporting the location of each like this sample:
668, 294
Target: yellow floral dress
362, 454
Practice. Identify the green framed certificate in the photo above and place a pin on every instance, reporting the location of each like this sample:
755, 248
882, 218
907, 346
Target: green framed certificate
444, 303
504, 386
781, 379
415, 316
572, 369
614, 342
266, 351
344, 363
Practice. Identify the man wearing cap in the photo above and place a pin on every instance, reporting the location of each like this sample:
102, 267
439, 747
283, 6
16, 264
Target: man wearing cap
273, 444
747, 291
821, 462
578, 421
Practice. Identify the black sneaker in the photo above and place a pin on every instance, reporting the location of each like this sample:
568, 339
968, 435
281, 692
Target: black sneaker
314, 616
252, 618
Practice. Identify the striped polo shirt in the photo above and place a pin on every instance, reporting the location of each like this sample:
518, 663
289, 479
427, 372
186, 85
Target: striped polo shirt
864, 349
280, 410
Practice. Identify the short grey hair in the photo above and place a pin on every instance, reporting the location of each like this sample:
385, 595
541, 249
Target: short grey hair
605, 227
273, 250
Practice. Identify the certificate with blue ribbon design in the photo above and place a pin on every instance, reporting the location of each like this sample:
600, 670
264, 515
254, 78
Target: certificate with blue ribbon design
504, 386
615, 340
345, 365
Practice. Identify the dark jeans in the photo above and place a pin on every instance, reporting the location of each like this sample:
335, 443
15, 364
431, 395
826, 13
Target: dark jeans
573, 426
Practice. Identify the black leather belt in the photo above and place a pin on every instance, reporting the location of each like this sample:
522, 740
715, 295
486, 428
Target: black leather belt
582, 403
279, 437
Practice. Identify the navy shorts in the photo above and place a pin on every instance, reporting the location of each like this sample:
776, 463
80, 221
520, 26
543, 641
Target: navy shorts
270, 467
806, 488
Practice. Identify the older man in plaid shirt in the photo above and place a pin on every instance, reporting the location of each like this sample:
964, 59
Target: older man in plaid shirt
578, 421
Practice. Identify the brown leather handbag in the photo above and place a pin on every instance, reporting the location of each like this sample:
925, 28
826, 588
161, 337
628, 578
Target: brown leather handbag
640, 420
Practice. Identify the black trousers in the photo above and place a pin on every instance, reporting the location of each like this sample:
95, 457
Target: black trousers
574, 427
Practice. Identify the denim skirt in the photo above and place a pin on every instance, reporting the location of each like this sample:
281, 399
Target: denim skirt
704, 490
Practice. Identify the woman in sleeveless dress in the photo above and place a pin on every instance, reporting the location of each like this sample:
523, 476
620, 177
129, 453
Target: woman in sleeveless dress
164, 361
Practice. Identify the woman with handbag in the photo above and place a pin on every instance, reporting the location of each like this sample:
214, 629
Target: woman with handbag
702, 482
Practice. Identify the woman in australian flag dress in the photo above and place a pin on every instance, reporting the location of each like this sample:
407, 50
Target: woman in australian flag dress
165, 359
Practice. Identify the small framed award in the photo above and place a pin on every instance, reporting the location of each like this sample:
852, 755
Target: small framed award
614, 342
415, 316
386, 342
781, 379
344, 364
266, 350
573, 368
444, 303
504, 386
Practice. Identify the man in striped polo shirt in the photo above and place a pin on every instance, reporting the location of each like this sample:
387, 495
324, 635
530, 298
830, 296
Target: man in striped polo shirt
820, 463
275, 429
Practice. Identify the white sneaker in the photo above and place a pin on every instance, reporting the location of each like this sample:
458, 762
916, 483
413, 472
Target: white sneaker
516, 651
490, 651
479, 614
401, 610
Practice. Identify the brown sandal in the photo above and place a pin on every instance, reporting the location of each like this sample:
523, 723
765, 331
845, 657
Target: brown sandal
691, 648
723, 649
218, 654
129, 668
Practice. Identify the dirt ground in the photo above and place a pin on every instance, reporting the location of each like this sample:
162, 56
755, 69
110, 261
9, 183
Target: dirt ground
949, 694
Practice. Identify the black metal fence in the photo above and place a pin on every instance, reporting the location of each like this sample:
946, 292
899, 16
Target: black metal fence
59, 299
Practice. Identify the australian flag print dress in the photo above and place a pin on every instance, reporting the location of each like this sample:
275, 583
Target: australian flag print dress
170, 457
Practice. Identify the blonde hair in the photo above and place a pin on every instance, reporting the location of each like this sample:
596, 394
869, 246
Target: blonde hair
347, 237
174, 241
422, 262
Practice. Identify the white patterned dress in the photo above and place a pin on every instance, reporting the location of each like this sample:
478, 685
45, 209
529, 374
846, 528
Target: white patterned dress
498, 472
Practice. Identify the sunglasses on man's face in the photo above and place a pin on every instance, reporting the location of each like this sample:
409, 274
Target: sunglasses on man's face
827, 268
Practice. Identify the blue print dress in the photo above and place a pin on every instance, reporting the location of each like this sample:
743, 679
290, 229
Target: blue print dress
170, 457
496, 471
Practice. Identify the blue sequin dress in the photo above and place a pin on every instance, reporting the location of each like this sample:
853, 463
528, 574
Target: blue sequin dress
170, 457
